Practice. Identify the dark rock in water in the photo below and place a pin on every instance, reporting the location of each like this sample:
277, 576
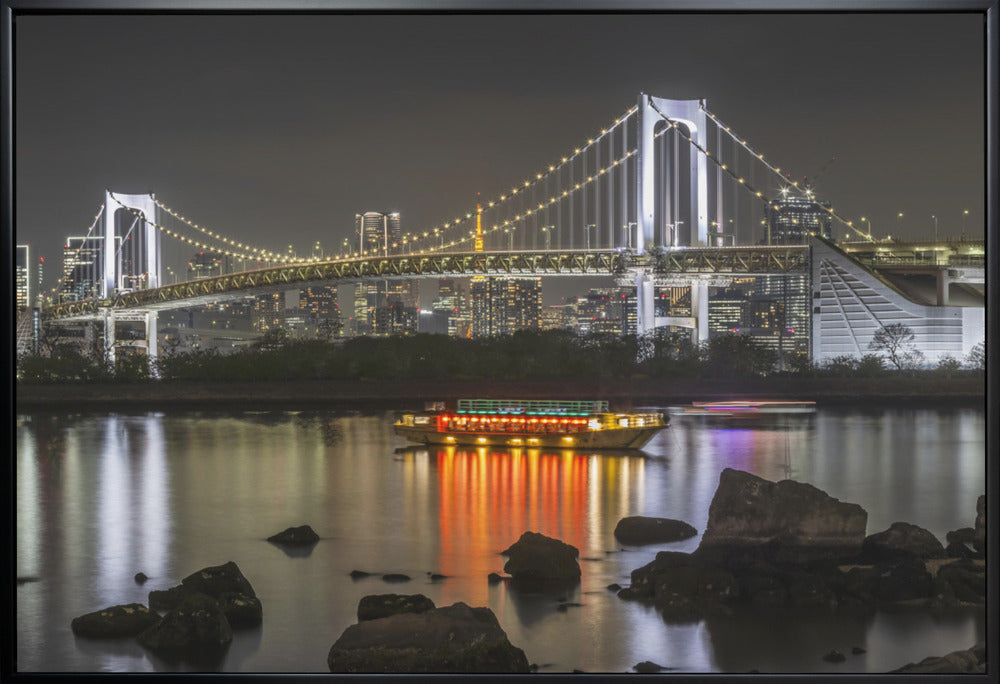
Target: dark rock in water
860, 586
563, 605
358, 574
857, 650
435, 577
140, 578
834, 656
537, 559
642, 530
117, 621
630, 594
972, 661
167, 599
454, 639
383, 605
963, 535
901, 540
647, 667
797, 519
959, 550
906, 581
241, 610
494, 578
967, 580
681, 586
197, 629
25, 580
217, 580
395, 577
295, 536
979, 541
614, 587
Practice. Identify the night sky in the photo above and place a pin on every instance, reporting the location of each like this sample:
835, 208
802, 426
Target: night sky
279, 129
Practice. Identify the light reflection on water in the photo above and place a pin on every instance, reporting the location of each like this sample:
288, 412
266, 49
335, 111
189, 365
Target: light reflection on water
100, 498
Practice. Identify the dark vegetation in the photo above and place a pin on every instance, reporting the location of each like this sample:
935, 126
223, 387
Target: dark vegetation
526, 355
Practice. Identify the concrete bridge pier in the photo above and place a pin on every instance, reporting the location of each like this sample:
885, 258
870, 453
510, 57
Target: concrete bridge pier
943, 281
109, 335
699, 309
151, 348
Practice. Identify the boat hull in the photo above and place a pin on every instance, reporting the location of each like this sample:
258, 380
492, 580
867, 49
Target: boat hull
618, 438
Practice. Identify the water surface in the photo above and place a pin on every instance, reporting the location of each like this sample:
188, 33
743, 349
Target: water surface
101, 497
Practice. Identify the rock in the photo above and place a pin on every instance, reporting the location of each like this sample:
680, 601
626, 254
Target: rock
979, 541
964, 535
494, 578
957, 662
860, 587
395, 577
682, 587
614, 587
116, 621
901, 540
967, 580
217, 580
437, 577
140, 578
641, 530
167, 599
195, 630
295, 536
794, 517
563, 605
383, 605
906, 581
241, 610
834, 656
857, 650
537, 559
647, 667
959, 550
453, 639
358, 574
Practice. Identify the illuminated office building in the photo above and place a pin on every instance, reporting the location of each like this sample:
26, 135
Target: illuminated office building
28, 278
502, 305
378, 232
790, 220
83, 267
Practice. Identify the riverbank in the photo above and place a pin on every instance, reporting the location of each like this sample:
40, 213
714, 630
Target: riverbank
963, 391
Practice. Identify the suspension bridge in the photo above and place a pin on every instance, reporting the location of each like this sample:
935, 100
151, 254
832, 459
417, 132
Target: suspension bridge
666, 194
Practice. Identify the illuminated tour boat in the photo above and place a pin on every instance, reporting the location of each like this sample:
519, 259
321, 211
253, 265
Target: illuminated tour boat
531, 424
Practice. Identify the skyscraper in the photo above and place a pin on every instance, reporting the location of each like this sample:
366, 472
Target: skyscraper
501, 306
790, 220
378, 232
83, 267
28, 278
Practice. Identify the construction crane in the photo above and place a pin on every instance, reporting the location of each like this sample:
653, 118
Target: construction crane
810, 187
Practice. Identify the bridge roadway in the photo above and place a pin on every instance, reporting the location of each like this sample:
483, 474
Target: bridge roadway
678, 262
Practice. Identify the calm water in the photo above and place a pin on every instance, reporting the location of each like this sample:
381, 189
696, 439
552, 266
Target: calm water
101, 497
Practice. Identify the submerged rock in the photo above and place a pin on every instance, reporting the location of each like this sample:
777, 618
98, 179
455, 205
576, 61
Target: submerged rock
116, 621
241, 610
494, 578
383, 605
537, 559
834, 656
648, 667
195, 630
642, 530
899, 541
971, 661
793, 521
395, 577
302, 535
217, 580
140, 578
453, 639
358, 574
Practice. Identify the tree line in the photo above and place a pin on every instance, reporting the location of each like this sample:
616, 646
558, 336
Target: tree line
524, 355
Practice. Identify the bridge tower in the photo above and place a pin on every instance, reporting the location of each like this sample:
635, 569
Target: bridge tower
150, 261
690, 114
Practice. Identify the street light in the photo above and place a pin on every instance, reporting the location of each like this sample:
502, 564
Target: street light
899, 223
547, 230
935, 227
965, 215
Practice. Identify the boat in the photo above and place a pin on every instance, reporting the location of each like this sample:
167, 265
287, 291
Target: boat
745, 409
530, 423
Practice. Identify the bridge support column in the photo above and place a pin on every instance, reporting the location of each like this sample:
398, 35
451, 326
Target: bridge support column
943, 281
699, 309
109, 337
151, 349
645, 296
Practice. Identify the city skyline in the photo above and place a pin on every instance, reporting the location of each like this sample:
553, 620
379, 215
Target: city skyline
276, 130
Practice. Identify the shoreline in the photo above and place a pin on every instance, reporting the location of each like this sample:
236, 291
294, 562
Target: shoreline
411, 394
